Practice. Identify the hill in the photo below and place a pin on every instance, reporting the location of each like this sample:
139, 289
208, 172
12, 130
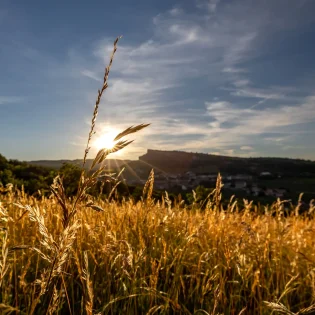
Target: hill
178, 162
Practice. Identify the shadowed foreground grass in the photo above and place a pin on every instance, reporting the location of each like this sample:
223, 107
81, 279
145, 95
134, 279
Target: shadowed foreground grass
148, 258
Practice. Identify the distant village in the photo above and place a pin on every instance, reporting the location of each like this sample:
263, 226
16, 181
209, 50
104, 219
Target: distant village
190, 180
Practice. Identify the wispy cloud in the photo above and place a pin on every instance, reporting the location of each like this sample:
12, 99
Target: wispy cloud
241, 83
246, 148
274, 139
233, 70
210, 5
91, 75
10, 99
260, 121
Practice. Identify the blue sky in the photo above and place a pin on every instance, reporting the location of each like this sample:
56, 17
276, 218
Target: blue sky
225, 77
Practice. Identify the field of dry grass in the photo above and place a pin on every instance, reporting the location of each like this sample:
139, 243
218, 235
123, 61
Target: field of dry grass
148, 258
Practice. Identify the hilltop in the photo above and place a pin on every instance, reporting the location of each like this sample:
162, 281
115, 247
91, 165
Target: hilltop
179, 162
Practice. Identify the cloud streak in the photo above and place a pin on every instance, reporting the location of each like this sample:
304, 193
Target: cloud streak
10, 99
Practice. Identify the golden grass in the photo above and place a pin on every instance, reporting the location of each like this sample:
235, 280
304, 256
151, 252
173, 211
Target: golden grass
145, 258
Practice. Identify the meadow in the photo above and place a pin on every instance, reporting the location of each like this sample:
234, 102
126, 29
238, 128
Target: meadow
154, 258
90, 255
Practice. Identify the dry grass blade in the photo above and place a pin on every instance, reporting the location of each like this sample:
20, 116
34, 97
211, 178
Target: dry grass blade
120, 298
98, 100
119, 174
218, 195
18, 247
120, 145
59, 192
148, 187
103, 153
5, 217
155, 309
113, 190
35, 215
67, 238
201, 312
54, 303
288, 288
89, 286
242, 311
308, 310
278, 307
95, 207
7, 309
130, 130
4, 258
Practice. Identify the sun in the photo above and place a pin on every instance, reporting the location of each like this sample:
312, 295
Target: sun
106, 139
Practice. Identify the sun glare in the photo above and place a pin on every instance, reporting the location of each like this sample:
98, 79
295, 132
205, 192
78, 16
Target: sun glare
106, 139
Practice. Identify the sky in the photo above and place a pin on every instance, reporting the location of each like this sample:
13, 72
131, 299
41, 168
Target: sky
230, 77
